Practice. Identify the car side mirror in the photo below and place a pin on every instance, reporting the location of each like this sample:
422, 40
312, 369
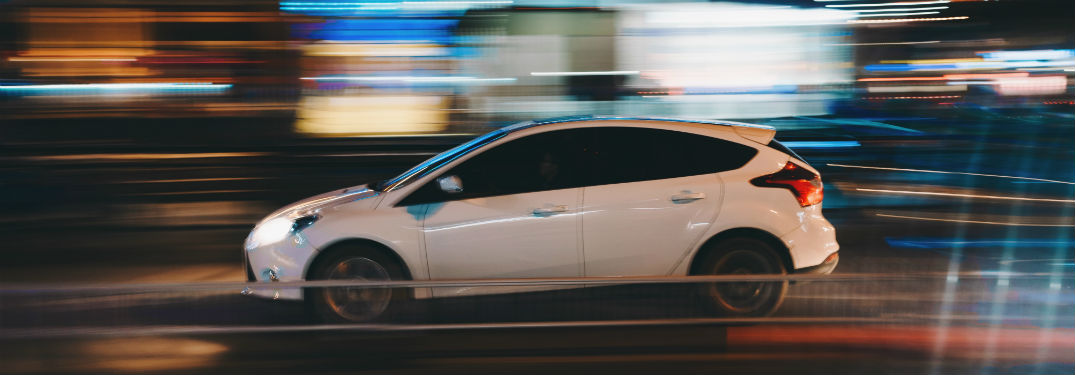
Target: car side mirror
450, 184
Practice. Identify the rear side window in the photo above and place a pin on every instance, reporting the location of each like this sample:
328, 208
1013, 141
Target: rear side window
622, 154
780, 147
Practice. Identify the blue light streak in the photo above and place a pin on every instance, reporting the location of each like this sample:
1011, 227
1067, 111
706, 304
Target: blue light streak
999, 64
1048, 54
112, 88
908, 67
289, 9
821, 144
382, 30
432, 8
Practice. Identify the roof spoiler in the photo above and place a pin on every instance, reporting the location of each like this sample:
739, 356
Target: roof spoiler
756, 134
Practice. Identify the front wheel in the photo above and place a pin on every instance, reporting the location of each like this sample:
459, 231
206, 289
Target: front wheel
353, 304
742, 256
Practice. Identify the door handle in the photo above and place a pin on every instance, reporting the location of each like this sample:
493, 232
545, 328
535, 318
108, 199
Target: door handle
550, 210
687, 197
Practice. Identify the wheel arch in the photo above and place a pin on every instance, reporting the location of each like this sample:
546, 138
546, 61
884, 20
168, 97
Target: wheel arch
342, 246
745, 232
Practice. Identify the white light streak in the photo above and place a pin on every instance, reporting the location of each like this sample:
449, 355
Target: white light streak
897, 10
898, 14
730, 16
1053, 84
1051, 69
947, 172
887, 4
885, 43
409, 79
896, 20
932, 88
973, 221
973, 83
594, 73
1033, 64
930, 193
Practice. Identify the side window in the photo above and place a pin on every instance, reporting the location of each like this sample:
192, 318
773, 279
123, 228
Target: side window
544, 161
640, 154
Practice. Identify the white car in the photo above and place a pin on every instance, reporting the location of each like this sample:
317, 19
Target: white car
573, 197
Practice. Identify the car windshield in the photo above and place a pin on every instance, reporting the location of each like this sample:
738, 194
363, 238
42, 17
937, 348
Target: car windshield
439, 160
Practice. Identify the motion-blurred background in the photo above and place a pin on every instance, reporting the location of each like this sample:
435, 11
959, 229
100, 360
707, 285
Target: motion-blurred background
141, 139
164, 115
112, 71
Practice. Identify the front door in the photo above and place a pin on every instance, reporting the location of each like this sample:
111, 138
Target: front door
516, 216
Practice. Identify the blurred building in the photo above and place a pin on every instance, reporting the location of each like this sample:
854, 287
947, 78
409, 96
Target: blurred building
988, 54
484, 61
82, 58
255, 68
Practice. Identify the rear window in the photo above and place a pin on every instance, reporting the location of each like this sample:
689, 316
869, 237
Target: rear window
624, 154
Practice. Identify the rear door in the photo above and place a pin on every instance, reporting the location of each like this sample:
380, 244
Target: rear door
652, 194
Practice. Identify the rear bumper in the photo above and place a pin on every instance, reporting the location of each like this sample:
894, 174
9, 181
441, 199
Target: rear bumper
824, 268
812, 243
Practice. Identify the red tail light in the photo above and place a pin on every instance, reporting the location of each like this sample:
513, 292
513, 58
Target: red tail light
805, 185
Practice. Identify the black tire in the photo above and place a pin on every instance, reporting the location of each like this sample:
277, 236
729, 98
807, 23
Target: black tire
746, 256
355, 304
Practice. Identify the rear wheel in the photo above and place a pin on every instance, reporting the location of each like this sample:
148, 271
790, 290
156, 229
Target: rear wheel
742, 256
354, 304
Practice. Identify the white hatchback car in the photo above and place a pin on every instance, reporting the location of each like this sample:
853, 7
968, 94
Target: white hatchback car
573, 197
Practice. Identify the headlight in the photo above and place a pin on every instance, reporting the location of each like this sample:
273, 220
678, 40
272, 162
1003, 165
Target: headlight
269, 232
278, 229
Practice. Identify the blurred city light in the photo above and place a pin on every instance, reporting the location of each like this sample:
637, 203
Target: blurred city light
357, 68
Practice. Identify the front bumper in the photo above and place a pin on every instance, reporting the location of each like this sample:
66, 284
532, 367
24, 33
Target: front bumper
283, 262
256, 289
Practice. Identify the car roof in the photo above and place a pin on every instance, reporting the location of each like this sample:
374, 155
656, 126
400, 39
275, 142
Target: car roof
758, 133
